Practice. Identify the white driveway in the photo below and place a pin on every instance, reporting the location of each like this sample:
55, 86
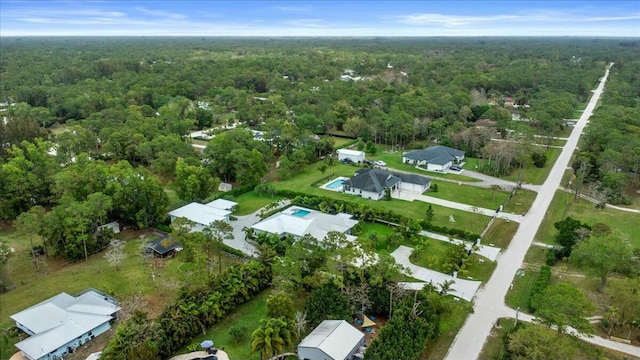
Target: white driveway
490, 252
239, 242
464, 289
490, 300
412, 195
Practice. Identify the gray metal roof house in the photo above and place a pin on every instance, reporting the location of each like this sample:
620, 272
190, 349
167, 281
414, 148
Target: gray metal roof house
331, 340
371, 183
59, 325
435, 158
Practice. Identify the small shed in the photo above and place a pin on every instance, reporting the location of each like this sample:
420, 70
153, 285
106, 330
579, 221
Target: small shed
163, 247
225, 187
113, 226
353, 155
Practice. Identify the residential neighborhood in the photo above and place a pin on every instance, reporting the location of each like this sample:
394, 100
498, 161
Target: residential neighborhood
317, 198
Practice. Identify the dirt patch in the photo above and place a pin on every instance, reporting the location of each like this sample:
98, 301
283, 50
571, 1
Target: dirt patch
95, 345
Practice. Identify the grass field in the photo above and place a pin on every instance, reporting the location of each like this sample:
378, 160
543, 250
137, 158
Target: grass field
495, 345
132, 278
467, 194
534, 175
252, 201
529, 174
563, 205
500, 233
449, 327
247, 316
416, 209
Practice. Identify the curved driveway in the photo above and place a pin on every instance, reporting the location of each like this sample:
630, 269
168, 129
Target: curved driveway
462, 288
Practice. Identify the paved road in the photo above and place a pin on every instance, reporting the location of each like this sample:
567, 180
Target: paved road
490, 300
462, 288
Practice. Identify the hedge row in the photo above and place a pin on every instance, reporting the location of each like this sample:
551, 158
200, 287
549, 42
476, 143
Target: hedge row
367, 213
193, 310
541, 283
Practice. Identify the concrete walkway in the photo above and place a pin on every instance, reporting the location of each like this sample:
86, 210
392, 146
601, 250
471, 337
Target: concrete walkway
490, 300
239, 241
464, 289
411, 196
489, 252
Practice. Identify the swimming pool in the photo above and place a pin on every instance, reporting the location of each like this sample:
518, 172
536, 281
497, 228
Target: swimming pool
301, 213
335, 184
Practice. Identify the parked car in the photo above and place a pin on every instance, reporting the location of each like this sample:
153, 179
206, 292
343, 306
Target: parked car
455, 167
346, 161
380, 163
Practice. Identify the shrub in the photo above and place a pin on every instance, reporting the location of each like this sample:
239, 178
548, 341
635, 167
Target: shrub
238, 332
539, 286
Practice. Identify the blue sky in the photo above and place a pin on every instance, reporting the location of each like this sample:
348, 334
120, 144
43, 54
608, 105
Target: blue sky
320, 18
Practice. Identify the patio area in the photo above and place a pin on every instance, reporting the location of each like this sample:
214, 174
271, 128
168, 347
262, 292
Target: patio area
197, 355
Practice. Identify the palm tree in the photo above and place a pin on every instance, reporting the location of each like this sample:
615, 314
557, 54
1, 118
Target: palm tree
272, 337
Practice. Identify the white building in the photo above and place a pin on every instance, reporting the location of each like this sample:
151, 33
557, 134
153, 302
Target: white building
331, 340
298, 222
353, 155
59, 325
203, 215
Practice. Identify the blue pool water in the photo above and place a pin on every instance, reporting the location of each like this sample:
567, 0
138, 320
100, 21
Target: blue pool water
300, 213
335, 184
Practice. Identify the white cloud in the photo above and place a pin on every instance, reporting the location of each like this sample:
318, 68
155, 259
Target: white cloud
160, 13
530, 16
451, 20
306, 23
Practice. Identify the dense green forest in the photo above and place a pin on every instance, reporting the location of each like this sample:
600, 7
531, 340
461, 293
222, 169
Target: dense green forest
137, 99
100, 129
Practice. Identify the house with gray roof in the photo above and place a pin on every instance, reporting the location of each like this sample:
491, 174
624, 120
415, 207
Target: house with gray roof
372, 183
61, 324
332, 340
434, 158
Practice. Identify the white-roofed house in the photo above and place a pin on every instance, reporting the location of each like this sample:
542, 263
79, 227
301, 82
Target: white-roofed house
331, 340
59, 325
353, 155
298, 222
201, 215
223, 204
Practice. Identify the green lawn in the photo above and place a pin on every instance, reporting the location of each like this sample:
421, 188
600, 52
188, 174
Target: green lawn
563, 205
529, 174
450, 324
466, 194
532, 174
174, 200
500, 233
495, 346
415, 209
434, 256
252, 201
133, 277
521, 202
248, 316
